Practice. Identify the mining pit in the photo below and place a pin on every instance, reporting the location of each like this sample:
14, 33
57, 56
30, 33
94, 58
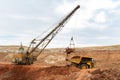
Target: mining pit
51, 65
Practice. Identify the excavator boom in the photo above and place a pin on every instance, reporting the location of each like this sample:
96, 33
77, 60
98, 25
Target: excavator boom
55, 30
28, 58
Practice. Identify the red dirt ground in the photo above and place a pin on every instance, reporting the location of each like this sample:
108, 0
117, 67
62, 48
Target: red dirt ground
35, 72
51, 66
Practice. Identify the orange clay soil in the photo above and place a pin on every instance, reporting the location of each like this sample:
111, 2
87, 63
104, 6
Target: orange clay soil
35, 72
51, 66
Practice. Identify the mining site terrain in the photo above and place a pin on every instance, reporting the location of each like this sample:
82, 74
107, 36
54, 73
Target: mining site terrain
51, 65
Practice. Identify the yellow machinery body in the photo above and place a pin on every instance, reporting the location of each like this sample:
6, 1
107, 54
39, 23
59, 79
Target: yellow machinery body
22, 58
82, 62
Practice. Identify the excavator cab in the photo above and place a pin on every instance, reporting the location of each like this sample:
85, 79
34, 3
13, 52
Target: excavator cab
19, 55
22, 58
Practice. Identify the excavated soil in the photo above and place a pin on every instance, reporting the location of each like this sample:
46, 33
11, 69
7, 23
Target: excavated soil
10, 71
106, 74
51, 66
37, 72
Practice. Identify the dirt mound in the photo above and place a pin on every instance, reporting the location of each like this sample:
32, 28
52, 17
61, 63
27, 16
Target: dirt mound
35, 72
106, 74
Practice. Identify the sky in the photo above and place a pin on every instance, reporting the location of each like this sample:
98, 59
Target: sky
96, 23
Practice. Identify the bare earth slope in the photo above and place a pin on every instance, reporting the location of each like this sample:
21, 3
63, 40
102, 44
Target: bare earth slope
35, 72
51, 65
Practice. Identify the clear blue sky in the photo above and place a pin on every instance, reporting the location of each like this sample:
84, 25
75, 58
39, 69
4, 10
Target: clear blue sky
96, 23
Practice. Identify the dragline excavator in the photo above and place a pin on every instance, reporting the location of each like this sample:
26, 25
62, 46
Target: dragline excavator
27, 57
